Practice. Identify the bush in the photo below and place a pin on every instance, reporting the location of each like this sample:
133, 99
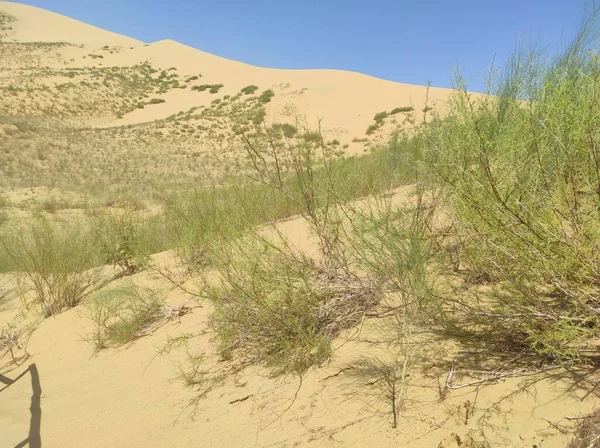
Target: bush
520, 170
266, 96
120, 235
123, 314
53, 261
249, 90
156, 101
380, 117
278, 308
372, 129
285, 129
397, 110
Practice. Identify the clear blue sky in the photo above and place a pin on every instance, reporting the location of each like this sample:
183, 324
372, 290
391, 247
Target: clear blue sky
416, 41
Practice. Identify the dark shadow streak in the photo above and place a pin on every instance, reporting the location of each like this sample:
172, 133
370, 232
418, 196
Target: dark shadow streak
34, 440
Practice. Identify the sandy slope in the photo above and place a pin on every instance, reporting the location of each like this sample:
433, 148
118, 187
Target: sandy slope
131, 396
40, 25
345, 101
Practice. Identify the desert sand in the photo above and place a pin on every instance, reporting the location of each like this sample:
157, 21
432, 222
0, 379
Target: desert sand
132, 396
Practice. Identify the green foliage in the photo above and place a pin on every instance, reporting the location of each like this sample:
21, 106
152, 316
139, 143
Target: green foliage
380, 116
54, 262
120, 234
266, 96
123, 314
520, 171
398, 110
249, 90
266, 320
372, 129
286, 129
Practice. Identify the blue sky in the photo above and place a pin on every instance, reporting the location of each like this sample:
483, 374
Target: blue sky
407, 41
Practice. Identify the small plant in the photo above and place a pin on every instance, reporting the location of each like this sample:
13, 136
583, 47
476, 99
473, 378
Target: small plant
14, 339
398, 110
119, 233
372, 129
286, 129
380, 117
266, 96
249, 90
123, 314
156, 101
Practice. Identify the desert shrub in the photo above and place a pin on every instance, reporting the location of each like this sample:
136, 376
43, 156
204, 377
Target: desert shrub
258, 116
266, 96
380, 116
588, 432
249, 90
156, 101
520, 172
372, 129
121, 315
212, 88
120, 235
286, 129
53, 261
278, 308
398, 110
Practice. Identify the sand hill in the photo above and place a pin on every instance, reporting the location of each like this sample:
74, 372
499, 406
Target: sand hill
86, 113
109, 90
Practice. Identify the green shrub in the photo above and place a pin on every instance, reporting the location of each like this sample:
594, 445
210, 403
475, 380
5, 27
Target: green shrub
380, 116
249, 90
519, 171
372, 129
123, 314
54, 262
266, 96
285, 129
397, 110
119, 233
156, 101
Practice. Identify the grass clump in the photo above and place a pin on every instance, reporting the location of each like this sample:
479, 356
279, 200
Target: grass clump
380, 117
266, 96
156, 101
121, 315
398, 110
53, 262
249, 90
267, 321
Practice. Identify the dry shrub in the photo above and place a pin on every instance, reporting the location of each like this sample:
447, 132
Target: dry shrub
588, 433
346, 300
277, 307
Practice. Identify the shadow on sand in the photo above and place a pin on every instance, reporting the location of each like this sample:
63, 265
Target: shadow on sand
34, 439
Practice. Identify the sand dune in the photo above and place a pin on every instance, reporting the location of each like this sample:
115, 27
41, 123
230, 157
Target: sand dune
131, 396
39, 25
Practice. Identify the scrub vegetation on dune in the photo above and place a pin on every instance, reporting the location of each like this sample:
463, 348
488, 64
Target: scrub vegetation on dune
474, 231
